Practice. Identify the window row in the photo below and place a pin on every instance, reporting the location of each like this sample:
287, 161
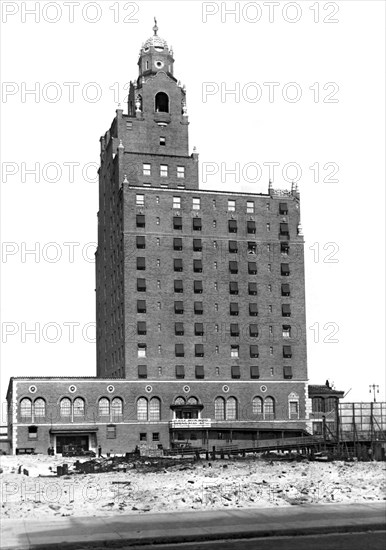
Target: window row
232, 225
235, 371
198, 288
164, 172
179, 330
196, 201
324, 404
233, 246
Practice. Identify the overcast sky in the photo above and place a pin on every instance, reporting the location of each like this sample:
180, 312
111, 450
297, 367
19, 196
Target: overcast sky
308, 81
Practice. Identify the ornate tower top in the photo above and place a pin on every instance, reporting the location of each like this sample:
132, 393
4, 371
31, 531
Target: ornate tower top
155, 41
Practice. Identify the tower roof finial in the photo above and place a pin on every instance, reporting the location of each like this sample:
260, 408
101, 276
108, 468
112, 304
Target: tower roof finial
155, 28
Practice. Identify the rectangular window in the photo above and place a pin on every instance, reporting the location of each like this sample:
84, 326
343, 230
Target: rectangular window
285, 270
180, 171
287, 351
162, 141
199, 372
252, 289
143, 436
234, 351
179, 350
233, 267
177, 243
286, 310
176, 202
317, 428
111, 432
252, 247
198, 287
141, 264
199, 350
180, 372
250, 207
287, 373
253, 331
283, 208
178, 264
197, 266
140, 200
142, 371
177, 223
146, 169
293, 410
251, 227
32, 432
163, 170
141, 350
196, 203
141, 285
235, 330
284, 248
254, 351
141, 328
198, 329
141, 242
232, 247
231, 205
232, 226
198, 308
141, 306
197, 224
140, 220
286, 331
179, 308
233, 287
178, 286
284, 230
179, 329
155, 436
253, 310
197, 245
234, 308
254, 370
285, 289
252, 268
235, 371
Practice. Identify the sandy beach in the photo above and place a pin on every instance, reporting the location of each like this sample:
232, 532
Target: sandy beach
157, 485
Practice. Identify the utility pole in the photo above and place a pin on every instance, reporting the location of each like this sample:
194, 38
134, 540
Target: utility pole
375, 389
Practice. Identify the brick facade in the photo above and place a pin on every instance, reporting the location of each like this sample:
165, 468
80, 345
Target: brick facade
199, 294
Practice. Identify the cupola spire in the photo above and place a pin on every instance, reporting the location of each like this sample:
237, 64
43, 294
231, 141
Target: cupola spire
155, 28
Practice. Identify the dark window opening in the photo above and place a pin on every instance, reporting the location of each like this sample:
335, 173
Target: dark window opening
161, 103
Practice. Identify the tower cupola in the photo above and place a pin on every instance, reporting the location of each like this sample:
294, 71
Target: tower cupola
155, 56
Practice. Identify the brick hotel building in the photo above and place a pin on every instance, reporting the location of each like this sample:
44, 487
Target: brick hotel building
201, 331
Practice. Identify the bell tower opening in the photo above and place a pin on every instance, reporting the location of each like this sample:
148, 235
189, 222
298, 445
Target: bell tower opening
161, 103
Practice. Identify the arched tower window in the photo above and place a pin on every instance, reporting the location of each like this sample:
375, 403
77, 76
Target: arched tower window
117, 407
231, 408
155, 409
26, 408
219, 408
142, 409
269, 408
40, 407
161, 103
257, 407
104, 407
65, 407
78, 406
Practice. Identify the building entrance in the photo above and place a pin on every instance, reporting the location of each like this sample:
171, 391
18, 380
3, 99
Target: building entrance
80, 442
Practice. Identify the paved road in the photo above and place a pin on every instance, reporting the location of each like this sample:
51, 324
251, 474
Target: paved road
316, 521
343, 541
